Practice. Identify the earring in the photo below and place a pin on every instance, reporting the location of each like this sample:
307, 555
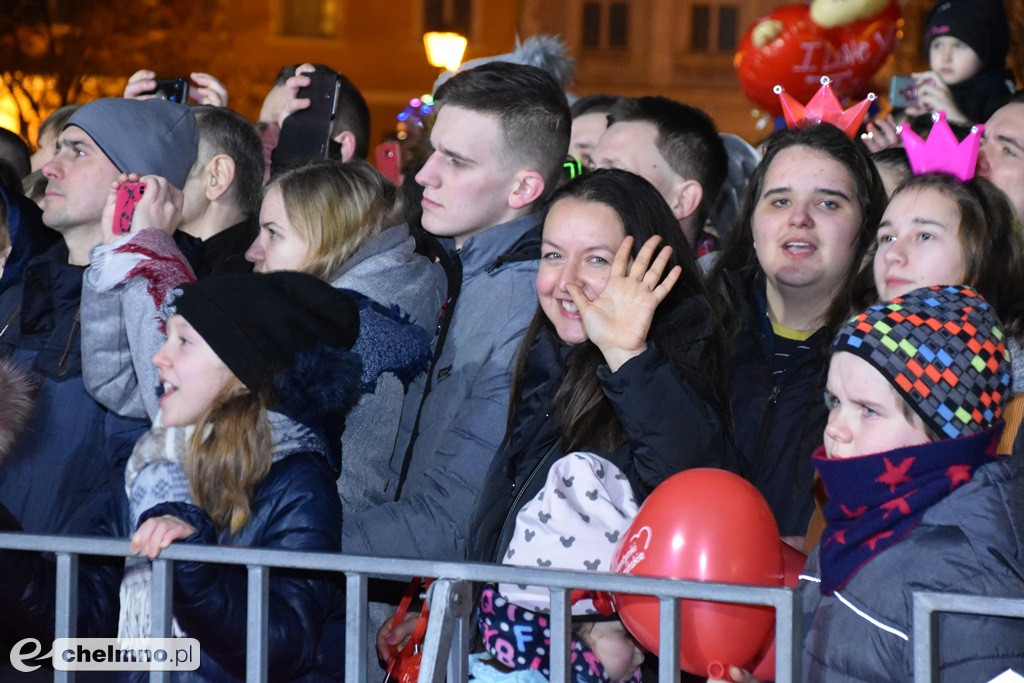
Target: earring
213, 181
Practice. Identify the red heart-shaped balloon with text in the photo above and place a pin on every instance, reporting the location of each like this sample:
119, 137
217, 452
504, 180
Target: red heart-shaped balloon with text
803, 52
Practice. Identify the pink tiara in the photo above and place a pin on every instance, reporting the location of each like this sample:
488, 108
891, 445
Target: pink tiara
942, 152
824, 107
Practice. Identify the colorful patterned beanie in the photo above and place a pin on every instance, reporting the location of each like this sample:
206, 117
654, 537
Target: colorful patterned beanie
943, 349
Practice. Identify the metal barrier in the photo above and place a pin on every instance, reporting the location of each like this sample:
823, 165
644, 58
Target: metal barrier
451, 624
926, 623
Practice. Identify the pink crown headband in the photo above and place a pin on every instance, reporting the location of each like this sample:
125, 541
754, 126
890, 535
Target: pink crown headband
942, 152
824, 107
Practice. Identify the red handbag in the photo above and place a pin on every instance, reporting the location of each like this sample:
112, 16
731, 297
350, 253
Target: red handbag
405, 663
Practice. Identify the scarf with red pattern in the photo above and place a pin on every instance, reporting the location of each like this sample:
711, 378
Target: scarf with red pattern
874, 501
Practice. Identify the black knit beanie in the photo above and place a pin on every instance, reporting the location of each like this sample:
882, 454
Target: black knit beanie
258, 322
982, 24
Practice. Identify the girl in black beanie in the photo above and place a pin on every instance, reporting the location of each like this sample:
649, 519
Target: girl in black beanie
253, 362
966, 42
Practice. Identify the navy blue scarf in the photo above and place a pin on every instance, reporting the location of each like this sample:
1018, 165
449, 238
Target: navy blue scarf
874, 501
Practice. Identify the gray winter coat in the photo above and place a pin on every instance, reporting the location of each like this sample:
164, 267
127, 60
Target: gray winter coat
971, 542
390, 272
463, 417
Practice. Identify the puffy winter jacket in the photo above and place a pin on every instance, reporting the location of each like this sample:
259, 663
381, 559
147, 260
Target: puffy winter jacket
295, 507
970, 542
670, 427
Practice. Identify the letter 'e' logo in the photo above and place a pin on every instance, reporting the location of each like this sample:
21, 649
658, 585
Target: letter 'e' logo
18, 657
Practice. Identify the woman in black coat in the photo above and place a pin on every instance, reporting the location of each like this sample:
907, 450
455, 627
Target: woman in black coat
623, 357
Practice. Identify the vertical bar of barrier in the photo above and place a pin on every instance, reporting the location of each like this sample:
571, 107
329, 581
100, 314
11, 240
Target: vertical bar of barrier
789, 619
162, 610
924, 639
66, 622
560, 635
668, 640
256, 655
440, 628
462, 612
356, 590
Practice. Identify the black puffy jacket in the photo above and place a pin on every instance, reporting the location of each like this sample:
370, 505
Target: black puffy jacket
670, 428
296, 507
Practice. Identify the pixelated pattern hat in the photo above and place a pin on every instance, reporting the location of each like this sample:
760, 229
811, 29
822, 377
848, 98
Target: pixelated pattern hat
943, 349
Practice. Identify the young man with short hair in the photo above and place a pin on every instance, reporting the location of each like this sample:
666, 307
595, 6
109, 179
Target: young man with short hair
500, 139
677, 149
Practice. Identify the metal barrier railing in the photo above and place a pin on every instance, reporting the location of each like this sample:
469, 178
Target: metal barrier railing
445, 652
446, 644
927, 605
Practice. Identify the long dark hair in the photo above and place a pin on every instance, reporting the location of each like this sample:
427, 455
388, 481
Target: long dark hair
685, 327
738, 255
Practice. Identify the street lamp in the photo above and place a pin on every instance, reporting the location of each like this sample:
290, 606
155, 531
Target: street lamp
444, 50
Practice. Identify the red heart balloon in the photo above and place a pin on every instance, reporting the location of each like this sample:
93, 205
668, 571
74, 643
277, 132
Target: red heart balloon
803, 52
708, 525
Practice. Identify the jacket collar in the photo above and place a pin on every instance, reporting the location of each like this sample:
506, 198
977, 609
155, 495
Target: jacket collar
491, 247
52, 287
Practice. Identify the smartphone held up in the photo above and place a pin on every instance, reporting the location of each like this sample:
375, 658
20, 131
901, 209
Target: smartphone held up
172, 90
306, 134
127, 198
902, 92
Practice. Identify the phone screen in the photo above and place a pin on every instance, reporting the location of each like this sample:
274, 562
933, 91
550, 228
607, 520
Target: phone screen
173, 90
902, 92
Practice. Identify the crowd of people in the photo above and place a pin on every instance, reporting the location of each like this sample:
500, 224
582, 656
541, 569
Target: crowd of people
503, 368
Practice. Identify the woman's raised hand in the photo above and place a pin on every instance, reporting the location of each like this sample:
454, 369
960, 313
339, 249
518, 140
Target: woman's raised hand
618, 320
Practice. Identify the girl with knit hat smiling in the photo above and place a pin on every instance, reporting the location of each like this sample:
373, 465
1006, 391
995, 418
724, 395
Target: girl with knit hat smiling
252, 363
918, 498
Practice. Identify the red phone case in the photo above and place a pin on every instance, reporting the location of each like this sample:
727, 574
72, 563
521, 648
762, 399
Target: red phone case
389, 161
128, 196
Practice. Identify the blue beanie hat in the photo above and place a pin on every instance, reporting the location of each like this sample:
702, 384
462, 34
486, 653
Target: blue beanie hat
148, 137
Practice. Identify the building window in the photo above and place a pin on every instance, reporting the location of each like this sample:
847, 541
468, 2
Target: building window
308, 18
606, 24
714, 28
448, 15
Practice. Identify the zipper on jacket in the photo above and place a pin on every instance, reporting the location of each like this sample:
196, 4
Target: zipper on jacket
62, 367
513, 511
14, 317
